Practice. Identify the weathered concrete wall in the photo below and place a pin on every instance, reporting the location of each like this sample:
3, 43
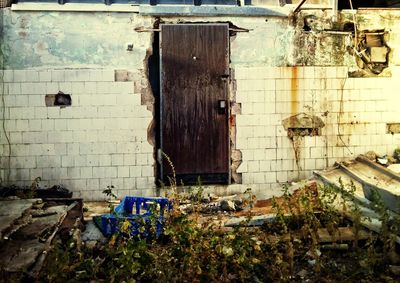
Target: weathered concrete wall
58, 39
355, 111
106, 138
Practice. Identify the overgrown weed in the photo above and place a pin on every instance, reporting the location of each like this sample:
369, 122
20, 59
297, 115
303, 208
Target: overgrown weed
191, 252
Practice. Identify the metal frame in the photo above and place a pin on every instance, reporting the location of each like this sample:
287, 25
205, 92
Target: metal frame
227, 54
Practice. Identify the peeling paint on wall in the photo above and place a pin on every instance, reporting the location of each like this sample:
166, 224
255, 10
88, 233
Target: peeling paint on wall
51, 39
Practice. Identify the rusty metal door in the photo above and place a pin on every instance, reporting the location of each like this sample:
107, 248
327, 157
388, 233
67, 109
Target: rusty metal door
194, 102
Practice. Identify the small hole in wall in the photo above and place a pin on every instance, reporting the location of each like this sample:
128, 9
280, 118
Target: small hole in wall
309, 22
393, 128
60, 99
303, 125
349, 27
303, 132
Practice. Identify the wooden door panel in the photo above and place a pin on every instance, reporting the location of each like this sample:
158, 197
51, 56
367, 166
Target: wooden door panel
194, 132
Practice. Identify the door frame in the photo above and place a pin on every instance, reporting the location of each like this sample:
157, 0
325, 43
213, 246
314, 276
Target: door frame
159, 153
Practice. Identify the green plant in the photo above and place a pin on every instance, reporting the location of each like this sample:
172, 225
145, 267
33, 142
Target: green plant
111, 196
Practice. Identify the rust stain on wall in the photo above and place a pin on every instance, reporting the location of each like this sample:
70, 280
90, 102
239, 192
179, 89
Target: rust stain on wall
232, 123
293, 91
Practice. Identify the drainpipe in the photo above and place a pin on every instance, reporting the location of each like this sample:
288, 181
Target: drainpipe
298, 7
334, 10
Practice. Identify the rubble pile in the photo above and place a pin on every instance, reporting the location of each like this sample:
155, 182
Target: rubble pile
29, 226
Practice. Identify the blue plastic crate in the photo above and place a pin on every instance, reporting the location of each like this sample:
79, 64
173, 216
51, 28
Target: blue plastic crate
137, 210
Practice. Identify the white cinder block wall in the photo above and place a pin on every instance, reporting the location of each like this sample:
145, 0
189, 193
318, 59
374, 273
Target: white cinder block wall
355, 112
100, 140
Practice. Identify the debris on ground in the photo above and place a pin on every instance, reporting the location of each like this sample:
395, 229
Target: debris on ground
367, 178
341, 225
35, 191
28, 226
383, 160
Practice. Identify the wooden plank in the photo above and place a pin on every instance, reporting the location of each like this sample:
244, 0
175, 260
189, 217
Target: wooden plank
343, 234
194, 63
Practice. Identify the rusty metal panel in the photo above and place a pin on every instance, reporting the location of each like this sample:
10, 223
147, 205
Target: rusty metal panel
194, 122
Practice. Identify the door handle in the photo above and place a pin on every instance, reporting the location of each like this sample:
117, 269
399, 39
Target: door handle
222, 106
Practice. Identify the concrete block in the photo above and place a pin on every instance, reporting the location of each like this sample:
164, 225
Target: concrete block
90, 87
135, 171
257, 178
23, 162
248, 85
123, 171
103, 87
93, 184
270, 154
108, 75
99, 172
48, 125
60, 148
45, 76
65, 87
247, 154
78, 87
67, 161
96, 75
269, 177
35, 100
20, 76
57, 75
32, 75
320, 72
253, 143
15, 137
34, 137
92, 160
42, 161
83, 75
19, 175
53, 112
52, 88
14, 88
148, 171
117, 159
20, 100
309, 72
144, 183
110, 172
309, 164
86, 172
253, 166
141, 159
19, 150
8, 76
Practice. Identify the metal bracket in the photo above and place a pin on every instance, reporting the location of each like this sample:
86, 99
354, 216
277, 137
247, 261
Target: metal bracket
298, 7
143, 29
